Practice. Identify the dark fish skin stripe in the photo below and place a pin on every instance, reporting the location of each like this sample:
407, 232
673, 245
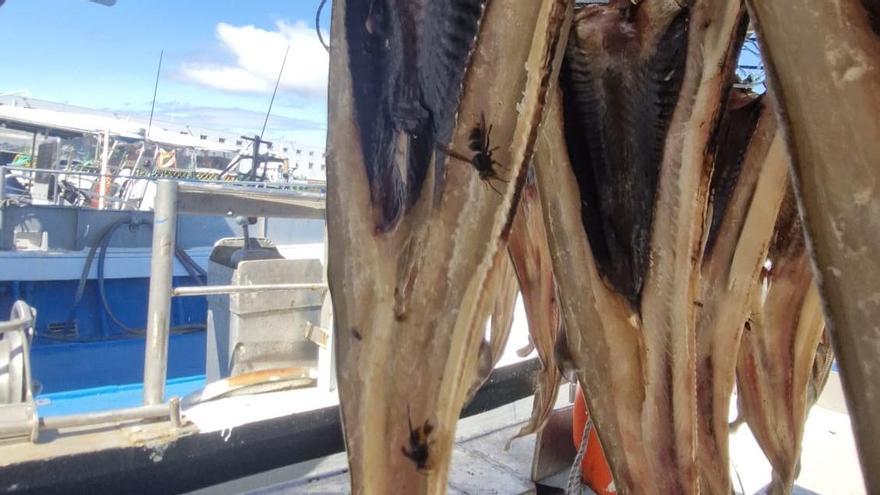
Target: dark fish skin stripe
788, 239
872, 7
407, 60
617, 105
734, 133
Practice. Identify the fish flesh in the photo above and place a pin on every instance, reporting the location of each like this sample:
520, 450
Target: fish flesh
749, 178
530, 254
775, 370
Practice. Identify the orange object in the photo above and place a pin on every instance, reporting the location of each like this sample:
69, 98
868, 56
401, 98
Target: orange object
594, 468
96, 190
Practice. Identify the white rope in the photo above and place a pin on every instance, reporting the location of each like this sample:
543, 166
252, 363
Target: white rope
574, 476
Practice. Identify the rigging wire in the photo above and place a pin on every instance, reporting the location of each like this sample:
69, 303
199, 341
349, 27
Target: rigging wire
275, 91
155, 90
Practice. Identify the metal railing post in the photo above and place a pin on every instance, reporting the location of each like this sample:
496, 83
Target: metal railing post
3, 183
159, 306
2, 206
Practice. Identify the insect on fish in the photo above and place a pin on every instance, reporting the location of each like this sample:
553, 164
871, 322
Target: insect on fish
418, 448
482, 160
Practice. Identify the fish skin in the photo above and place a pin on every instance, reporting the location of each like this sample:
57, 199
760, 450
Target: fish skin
407, 59
620, 89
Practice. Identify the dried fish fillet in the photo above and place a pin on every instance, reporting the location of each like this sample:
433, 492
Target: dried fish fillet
775, 372
501, 284
413, 233
530, 254
653, 77
822, 59
750, 175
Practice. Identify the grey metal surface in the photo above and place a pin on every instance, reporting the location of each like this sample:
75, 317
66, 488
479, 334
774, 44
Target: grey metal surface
18, 412
73, 229
110, 417
257, 317
554, 448
243, 289
159, 304
253, 202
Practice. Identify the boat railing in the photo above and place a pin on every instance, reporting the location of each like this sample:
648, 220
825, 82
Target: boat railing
105, 200
172, 199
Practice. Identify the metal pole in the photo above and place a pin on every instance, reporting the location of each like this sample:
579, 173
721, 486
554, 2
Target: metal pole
105, 165
159, 306
2, 189
2, 203
212, 290
32, 162
103, 417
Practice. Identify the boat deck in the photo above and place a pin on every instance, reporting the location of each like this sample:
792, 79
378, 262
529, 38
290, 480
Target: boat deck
480, 464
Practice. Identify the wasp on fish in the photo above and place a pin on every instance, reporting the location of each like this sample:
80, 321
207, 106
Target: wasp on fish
418, 449
482, 161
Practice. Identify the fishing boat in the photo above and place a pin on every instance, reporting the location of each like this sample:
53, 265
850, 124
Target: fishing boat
79, 253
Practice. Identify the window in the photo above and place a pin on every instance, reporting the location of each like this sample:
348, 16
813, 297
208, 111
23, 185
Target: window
298, 152
222, 140
285, 149
203, 137
311, 153
238, 142
311, 165
323, 167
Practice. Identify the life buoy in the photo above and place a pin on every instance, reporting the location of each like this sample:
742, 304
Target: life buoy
594, 467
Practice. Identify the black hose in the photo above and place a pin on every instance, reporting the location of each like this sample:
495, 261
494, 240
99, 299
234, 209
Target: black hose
193, 269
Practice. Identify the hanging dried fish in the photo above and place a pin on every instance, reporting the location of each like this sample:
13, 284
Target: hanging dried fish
624, 187
822, 62
502, 286
750, 175
412, 235
531, 258
778, 351
821, 369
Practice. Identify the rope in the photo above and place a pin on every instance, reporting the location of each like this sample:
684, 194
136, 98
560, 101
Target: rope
574, 476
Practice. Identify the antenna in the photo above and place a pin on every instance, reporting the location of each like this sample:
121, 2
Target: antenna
155, 90
277, 82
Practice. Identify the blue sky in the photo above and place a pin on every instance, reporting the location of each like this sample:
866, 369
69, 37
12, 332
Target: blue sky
221, 60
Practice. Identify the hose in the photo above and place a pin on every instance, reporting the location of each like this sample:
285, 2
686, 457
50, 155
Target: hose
100, 247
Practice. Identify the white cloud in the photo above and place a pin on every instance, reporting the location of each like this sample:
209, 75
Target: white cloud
258, 54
